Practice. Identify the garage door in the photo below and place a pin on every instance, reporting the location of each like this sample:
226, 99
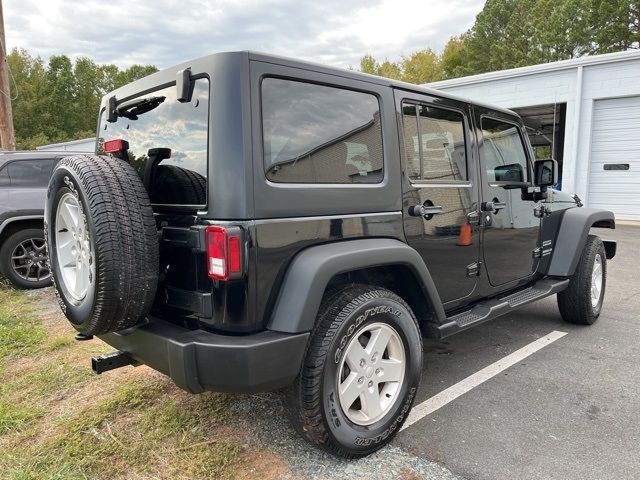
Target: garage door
614, 179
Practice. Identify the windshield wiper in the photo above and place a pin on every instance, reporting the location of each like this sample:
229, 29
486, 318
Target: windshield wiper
135, 108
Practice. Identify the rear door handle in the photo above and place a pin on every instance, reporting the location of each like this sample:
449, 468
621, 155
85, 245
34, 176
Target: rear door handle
494, 206
427, 211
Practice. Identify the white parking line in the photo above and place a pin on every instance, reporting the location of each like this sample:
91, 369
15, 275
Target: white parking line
441, 399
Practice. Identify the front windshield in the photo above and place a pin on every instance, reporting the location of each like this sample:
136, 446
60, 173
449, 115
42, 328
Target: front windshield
158, 120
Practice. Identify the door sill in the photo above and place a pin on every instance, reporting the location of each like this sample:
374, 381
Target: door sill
489, 309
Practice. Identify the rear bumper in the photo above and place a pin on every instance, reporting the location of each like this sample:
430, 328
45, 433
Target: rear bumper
198, 360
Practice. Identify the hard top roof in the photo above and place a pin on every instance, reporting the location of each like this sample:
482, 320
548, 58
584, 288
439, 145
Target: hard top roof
286, 61
129, 91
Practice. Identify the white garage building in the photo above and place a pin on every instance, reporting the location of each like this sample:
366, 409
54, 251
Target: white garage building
585, 110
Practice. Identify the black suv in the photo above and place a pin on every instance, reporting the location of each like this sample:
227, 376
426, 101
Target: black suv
251, 222
23, 184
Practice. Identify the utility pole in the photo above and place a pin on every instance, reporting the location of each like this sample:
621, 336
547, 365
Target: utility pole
7, 140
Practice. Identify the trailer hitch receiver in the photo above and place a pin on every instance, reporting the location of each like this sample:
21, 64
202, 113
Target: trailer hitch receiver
111, 361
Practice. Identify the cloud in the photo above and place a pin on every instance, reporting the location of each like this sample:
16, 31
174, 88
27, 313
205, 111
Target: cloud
166, 32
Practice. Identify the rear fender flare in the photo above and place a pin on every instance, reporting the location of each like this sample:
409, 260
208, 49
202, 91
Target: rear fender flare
311, 270
572, 237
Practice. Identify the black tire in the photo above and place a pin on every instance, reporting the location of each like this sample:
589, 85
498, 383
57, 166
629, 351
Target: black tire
575, 303
33, 270
179, 186
313, 400
123, 240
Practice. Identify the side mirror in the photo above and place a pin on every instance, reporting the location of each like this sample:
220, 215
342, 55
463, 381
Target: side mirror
545, 173
511, 173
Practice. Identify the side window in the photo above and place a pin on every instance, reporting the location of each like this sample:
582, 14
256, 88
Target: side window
503, 152
4, 176
435, 145
318, 134
29, 173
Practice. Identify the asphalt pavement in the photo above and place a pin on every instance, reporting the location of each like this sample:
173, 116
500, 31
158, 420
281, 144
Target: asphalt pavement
568, 411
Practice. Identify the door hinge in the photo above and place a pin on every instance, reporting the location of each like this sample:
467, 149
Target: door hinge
473, 218
473, 270
542, 211
543, 251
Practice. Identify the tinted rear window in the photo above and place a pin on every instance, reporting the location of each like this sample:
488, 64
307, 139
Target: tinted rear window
318, 134
27, 173
181, 127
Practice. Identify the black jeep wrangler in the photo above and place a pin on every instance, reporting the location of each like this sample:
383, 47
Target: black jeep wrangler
251, 222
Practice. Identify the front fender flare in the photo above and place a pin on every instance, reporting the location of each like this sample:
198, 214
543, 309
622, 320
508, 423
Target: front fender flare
572, 237
311, 270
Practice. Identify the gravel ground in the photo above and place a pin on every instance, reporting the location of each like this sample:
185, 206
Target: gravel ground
263, 416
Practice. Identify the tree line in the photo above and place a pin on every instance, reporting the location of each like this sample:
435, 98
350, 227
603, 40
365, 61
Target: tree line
516, 33
58, 101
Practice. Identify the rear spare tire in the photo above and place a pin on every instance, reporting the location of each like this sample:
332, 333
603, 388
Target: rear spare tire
179, 186
102, 242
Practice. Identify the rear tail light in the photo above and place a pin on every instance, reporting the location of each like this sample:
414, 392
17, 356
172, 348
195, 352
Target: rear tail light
115, 146
224, 252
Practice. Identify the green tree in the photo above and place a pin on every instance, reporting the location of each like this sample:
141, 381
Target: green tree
388, 69
59, 91
454, 58
368, 64
515, 33
500, 37
616, 25
59, 101
421, 67
561, 30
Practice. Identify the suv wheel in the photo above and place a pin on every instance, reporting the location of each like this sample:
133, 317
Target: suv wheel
102, 240
361, 372
23, 259
581, 302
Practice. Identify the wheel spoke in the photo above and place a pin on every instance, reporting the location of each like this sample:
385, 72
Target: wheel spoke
69, 215
392, 370
378, 341
370, 400
66, 256
349, 390
375, 373
79, 279
64, 239
355, 354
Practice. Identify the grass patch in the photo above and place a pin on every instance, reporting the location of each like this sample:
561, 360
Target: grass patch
48, 378
137, 430
21, 332
60, 421
61, 341
14, 417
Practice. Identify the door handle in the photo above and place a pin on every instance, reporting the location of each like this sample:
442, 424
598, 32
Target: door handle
494, 206
427, 210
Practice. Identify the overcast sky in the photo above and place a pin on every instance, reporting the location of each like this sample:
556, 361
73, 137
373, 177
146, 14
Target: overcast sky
166, 32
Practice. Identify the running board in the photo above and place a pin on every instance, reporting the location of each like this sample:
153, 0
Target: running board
490, 309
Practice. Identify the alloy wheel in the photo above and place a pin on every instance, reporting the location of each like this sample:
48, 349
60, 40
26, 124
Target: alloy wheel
371, 373
29, 260
73, 247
